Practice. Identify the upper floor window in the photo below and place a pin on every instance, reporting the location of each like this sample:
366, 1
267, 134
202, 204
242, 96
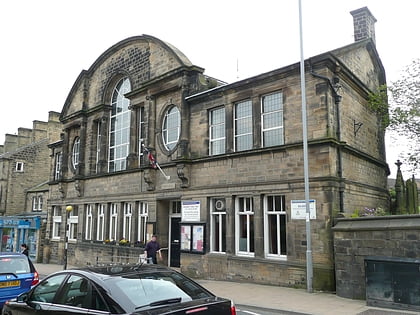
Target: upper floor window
98, 145
19, 167
75, 152
243, 126
142, 132
119, 131
171, 127
37, 203
57, 166
272, 119
217, 131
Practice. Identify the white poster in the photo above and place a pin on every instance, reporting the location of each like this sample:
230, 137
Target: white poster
298, 208
190, 211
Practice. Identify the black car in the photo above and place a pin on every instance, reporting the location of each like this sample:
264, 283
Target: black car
119, 289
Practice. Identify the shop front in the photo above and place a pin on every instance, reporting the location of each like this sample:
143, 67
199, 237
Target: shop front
17, 230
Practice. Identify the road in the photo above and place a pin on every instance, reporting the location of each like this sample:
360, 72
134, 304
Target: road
252, 310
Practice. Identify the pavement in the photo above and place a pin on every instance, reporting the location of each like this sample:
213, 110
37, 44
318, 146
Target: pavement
275, 299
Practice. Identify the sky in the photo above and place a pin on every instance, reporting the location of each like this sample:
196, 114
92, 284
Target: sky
45, 44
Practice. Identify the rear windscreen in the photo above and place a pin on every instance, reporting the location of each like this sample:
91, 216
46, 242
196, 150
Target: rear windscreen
14, 265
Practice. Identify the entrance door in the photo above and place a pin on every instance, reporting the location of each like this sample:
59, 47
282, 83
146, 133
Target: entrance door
175, 250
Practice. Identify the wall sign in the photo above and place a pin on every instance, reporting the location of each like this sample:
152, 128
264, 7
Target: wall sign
190, 211
298, 209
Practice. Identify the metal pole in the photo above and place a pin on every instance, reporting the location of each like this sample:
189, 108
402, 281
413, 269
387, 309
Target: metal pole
309, 271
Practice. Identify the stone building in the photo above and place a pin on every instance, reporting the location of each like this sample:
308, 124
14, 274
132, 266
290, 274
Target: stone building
153, 145
24, 174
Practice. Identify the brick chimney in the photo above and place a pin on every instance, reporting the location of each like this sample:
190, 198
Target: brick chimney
364, 24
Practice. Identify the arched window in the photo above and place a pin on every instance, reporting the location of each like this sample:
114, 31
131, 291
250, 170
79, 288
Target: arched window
171, 128
75, 152
119, 132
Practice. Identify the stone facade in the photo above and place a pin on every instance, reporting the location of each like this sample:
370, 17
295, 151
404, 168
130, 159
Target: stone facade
24, 173
355, 240
244, 196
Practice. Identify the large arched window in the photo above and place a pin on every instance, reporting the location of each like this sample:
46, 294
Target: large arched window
75, 152
119, 131
171, 127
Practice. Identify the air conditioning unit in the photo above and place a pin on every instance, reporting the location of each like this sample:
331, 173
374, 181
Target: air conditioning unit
220, 204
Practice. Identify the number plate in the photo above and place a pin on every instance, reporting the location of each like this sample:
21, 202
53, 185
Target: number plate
9, 284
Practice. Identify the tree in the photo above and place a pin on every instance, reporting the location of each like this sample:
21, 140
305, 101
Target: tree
404, 112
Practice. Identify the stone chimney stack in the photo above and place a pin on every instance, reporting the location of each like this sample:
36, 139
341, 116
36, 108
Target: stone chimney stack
364, 24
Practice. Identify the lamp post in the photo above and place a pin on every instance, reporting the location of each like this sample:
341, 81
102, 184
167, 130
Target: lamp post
66, 245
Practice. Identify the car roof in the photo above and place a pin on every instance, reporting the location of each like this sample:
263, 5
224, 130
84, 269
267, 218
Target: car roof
8, 254
102, 272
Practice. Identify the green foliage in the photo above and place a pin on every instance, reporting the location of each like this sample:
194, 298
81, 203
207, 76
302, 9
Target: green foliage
378, 102
405, 112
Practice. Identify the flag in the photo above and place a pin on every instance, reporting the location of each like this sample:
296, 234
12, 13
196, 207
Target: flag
152, 159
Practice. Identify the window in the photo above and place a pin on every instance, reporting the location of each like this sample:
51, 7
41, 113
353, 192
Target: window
98, 145
89, 222
272, 119
113, 222
217, 131
171, 127
218, 225
243, 126
37, 203
19, 167
176, 207
56, 222
244, 226
57, 167
128, 215
275, 226
142, 132
119, 132
73, 222
46, 290
75, 152
143, 212
100, 223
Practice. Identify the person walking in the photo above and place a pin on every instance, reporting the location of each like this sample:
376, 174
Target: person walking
152, 249
24, 249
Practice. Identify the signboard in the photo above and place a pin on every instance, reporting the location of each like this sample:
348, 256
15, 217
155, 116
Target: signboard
190, 211
298, 209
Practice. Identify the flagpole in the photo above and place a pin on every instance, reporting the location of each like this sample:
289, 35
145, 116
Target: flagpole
309, 267
167, 177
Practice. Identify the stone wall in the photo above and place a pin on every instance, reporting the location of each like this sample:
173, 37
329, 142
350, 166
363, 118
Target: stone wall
357, 238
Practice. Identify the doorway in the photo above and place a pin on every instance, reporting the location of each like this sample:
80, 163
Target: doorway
175, 245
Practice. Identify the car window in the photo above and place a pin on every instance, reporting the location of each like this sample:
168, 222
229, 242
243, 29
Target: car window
47, 289
143, 289
15, 265
78, 291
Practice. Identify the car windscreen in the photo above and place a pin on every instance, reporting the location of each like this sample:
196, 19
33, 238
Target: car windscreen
15, 265
144, 289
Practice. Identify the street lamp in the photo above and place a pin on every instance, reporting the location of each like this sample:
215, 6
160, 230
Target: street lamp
66, 245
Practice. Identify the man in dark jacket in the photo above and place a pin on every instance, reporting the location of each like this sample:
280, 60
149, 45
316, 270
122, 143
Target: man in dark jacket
152, 248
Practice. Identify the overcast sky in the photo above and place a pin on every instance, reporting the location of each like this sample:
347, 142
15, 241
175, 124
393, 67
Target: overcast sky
45, 44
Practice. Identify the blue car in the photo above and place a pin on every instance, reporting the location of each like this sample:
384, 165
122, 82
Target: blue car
17, 275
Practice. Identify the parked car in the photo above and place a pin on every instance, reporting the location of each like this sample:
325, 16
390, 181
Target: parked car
119, 289
17, 275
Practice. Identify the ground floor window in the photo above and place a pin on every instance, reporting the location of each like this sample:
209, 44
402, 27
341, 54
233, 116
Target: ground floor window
275, 226
56, 224
128, 214
218, 225
89, 222
73, 222
113, 219
100, 222
244, 226
143, 213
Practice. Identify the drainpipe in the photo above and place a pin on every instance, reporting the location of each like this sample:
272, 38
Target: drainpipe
335, 86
